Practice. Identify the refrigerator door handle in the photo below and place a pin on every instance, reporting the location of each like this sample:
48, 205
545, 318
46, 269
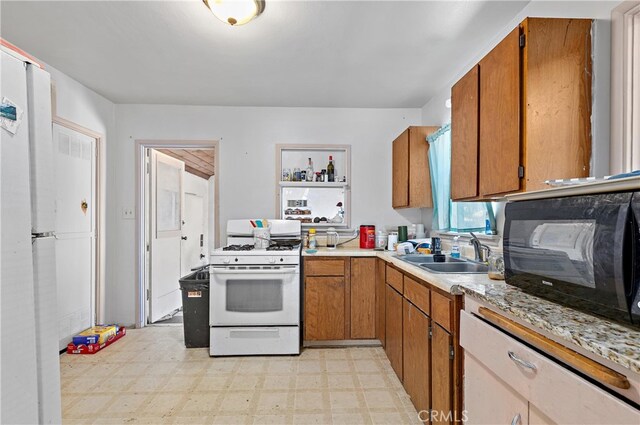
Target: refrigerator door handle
44, 235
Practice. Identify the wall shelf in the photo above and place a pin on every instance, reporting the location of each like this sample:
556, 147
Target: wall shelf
314, 184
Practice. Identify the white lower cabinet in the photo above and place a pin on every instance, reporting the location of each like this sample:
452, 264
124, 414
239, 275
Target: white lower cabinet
488, 400
506, 382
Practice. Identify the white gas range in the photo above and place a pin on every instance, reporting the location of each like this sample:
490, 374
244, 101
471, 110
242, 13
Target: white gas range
255, 293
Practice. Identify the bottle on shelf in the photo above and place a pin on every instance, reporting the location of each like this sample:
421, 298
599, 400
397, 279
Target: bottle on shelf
296, 175
331, 170
310, 174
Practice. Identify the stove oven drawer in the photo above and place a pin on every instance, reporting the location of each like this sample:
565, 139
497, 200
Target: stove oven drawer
255, 341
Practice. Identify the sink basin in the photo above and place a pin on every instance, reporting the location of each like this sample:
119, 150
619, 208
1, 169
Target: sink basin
456, 267
426, 259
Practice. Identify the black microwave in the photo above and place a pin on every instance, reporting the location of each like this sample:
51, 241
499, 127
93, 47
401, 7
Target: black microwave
580, 251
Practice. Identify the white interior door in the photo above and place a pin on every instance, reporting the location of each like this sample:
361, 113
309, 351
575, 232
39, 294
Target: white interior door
166, 215
193, 231
74, 157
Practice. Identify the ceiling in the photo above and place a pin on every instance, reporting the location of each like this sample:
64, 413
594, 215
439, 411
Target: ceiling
196, 161
372, 54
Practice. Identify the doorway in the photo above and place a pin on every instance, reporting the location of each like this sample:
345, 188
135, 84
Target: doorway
176, 223
77, 213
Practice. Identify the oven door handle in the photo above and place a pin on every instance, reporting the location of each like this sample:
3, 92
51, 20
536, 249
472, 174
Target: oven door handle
291, 270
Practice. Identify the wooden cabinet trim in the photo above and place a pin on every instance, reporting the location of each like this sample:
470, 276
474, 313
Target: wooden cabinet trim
393, 324
381, 285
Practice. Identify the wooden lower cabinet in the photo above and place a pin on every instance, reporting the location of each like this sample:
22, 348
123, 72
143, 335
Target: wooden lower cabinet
380, 299
441, 375
324, 312
393, 326
363, 298
416, 357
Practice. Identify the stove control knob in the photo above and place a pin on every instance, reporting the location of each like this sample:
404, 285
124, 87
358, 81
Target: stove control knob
236, 260
281, 259
226, 261
272, 260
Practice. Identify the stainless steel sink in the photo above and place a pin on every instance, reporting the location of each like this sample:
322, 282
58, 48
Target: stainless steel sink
426, 259
456, 267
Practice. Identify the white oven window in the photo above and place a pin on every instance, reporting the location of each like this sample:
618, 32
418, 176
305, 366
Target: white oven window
254, 296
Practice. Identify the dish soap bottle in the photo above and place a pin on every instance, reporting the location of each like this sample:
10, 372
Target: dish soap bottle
312, 239
455, 248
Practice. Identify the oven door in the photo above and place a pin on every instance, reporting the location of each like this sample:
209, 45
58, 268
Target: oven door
573, 250
255, 296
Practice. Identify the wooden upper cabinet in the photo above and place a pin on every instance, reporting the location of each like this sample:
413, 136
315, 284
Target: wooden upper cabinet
400, 176
363, 298
464, 136
533, 116
411, 179
557, 75
500, 118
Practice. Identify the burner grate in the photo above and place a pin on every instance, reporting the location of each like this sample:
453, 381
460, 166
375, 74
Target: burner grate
247, 247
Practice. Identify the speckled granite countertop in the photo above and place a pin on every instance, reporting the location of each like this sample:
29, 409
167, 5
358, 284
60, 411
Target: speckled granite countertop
611, 340
605, 338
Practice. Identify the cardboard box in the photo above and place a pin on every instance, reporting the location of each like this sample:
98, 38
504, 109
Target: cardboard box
95, 335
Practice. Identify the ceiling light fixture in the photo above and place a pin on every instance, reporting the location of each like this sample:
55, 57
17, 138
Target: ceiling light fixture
235, 12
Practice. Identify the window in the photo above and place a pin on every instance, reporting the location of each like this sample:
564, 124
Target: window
447, 215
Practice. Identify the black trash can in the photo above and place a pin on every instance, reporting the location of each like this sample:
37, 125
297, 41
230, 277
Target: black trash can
195, 308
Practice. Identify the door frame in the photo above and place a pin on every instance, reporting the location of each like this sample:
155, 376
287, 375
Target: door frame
140, 147
100, 214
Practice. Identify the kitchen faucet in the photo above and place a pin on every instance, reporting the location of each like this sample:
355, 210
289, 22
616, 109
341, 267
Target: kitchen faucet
481, 250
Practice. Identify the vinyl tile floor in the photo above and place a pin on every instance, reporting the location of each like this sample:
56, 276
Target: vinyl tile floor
150, 377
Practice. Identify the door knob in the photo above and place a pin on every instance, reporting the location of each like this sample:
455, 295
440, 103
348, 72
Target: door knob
184, 238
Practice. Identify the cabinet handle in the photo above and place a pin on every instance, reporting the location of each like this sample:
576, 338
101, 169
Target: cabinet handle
521, 362
517, 419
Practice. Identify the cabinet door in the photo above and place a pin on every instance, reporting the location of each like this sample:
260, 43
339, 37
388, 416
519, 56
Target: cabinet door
488, 399
415, 352
500, 117
464, 136
363, 298
441, 375
419, 175
393, 322
400, 184
324, 308
380, 299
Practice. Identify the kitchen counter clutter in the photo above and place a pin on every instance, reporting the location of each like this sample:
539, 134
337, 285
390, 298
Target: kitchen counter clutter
610, 340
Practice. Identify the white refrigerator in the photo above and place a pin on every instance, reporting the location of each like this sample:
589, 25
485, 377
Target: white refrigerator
29, 357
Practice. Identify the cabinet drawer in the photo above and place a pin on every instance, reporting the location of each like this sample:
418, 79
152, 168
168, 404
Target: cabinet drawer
416, 293
328, 267
394, 278
441, 310
547, 385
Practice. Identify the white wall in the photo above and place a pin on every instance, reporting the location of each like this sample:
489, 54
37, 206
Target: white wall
247, 165
83, 106
435, 112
